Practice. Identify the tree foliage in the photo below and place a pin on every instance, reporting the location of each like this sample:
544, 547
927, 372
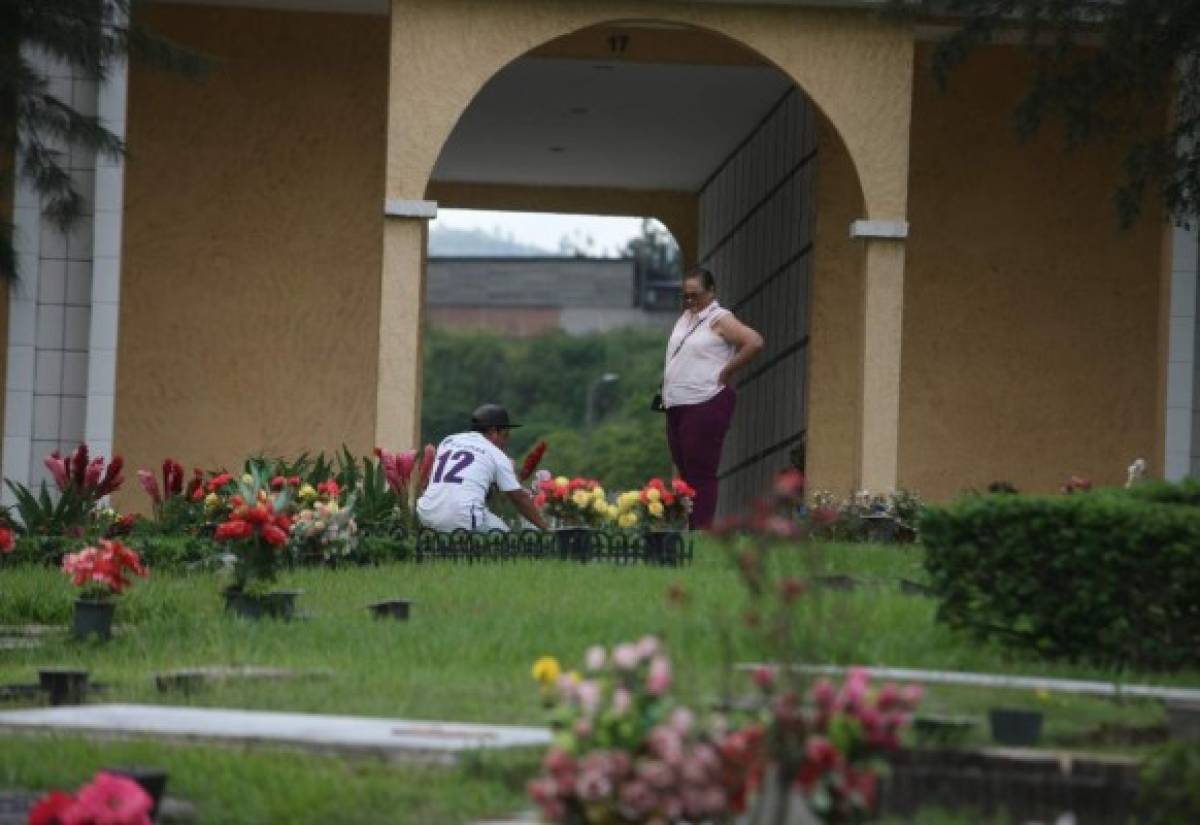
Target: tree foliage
544, 383
37, 129
1103, 71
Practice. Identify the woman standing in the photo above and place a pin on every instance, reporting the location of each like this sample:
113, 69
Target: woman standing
707, 348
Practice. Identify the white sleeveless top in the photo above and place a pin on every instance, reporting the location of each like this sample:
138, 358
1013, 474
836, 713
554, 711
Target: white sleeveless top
694, 361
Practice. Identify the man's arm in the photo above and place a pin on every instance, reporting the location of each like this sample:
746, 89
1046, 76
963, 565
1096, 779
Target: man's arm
524, 505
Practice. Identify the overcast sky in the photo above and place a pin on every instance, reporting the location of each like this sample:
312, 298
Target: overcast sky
545, 230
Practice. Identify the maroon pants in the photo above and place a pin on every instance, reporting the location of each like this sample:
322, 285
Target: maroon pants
695, 434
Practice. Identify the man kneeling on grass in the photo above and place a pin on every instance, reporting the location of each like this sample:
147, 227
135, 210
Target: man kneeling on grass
466, 466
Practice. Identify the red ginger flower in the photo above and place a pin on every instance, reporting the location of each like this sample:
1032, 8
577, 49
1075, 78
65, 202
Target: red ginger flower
150, 485
397, 468
219, 481
427, 458
329, 488
529, 467
7, 542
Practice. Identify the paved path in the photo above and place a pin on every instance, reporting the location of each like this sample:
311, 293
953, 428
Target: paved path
392, 738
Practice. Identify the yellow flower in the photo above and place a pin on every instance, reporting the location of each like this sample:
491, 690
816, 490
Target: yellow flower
247, 478
212, 501
653, 494
613, 511
575, 677
581, 498
307, 491
600, 506
546, 670
333, 507
628, 520
655, 508
598, 493
562, 482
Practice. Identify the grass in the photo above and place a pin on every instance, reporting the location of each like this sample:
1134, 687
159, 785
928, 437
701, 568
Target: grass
465, 656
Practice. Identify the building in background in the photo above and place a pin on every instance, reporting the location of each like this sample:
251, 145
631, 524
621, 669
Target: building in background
944, 304
529, 296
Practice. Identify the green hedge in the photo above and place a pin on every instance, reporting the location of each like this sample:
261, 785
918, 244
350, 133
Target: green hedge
1108, 577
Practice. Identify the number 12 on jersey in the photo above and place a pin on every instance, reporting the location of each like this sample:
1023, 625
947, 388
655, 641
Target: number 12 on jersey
462, 460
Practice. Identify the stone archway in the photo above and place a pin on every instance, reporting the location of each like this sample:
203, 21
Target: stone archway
856, 69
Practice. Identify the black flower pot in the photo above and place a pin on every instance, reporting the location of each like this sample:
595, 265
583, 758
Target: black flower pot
152, 780
574, 543
279, 604
880, 528
93, 618
663, 546
391, 609
1016, 728
64, 686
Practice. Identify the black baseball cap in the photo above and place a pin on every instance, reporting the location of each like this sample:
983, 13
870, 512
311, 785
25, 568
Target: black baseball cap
491, 415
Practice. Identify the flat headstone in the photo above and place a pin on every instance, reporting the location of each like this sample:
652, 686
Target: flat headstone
187, 679
396, 738
19, 644
35, 630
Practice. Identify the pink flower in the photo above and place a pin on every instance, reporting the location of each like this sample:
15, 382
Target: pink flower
647, 647
596, 657
593, 785
666, 743
588, 693
625, 656
110, 800
656, 774
58, 469
622, 701
682, 720
636, 799
583, 728
150, 485
764, 677
911, 695
658, 681
823, 694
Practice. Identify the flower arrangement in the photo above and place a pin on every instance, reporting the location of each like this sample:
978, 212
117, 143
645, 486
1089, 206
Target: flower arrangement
257, 528
575, 502
656, 504
827, 516
625, 751
109, 800
831, 748
91, 480
103, 572
82, 481
326, 529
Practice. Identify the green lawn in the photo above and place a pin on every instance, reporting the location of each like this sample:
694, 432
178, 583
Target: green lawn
466, 654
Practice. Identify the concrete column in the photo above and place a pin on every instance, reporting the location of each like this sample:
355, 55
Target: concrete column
401, 315
883, 315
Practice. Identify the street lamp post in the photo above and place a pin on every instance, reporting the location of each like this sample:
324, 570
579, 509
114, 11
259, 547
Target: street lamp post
589, 414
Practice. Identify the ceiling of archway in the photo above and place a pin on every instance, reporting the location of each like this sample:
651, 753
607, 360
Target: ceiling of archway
556, 122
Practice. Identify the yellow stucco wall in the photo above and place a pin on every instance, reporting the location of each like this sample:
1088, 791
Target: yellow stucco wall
1031, 320
835, 323
856, 67
253, 240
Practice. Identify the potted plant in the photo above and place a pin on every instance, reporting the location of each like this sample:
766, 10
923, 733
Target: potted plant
662, 510
101, 573
257, 531
576, 507
325, 531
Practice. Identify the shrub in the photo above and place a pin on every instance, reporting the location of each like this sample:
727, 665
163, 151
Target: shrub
156, 551
1107, 577
1169, 792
